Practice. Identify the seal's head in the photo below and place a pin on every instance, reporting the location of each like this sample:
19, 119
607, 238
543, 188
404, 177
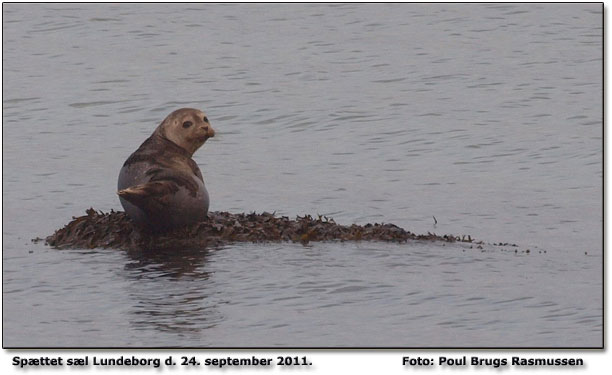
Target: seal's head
186, 127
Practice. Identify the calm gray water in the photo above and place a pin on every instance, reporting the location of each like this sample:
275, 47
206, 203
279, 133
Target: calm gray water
486, 116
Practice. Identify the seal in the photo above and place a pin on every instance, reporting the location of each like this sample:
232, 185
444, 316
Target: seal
160, 186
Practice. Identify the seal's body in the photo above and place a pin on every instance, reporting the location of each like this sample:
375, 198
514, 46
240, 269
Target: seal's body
160, 186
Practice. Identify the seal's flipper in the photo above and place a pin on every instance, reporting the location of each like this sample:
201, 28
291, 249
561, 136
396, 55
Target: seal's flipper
150, 197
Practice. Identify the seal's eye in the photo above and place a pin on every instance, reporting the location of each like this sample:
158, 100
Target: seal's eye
205, 119
187, 124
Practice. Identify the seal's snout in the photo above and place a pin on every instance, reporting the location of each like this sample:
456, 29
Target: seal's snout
210, 132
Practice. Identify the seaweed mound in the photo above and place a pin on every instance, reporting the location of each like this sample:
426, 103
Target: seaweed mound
115, 230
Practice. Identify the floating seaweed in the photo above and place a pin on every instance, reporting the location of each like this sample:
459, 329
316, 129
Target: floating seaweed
115, 230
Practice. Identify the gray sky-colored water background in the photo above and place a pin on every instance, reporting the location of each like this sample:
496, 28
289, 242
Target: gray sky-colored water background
486, 116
